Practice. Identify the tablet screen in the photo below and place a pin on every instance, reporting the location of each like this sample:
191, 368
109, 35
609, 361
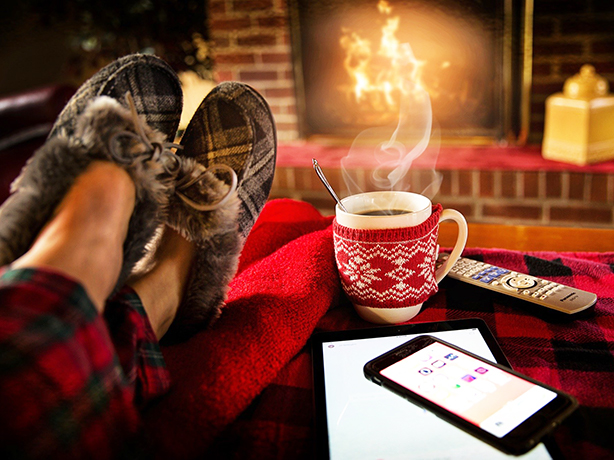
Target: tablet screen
366, 421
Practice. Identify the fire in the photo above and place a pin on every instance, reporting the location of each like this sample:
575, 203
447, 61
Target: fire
380, 77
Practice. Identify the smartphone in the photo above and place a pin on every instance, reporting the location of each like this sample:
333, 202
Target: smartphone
503, 408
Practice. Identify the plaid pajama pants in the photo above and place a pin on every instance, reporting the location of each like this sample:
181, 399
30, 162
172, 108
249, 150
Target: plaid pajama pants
72, 381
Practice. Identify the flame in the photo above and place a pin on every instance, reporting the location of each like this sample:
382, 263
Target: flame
380, 78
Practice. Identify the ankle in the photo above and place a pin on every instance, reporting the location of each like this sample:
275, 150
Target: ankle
84, 238
162, 288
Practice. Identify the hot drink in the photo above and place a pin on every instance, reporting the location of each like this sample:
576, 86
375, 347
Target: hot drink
384, 212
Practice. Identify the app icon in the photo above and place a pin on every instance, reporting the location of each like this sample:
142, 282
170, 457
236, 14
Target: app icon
451, 356
481, 370
438, 364
468, 378
425, 371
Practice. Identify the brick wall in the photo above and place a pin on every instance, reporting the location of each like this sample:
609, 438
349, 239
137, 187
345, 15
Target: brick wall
567, 34
558, 198
251, 43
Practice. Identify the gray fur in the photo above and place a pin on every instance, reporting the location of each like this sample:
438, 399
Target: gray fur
218, 246
53, 169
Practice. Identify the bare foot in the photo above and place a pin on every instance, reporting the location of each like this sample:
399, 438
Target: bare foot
162, 288
84, 238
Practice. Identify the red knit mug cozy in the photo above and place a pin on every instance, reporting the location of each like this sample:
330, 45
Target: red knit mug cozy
388, 268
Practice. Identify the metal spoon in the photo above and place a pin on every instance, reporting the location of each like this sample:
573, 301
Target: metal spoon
322, 177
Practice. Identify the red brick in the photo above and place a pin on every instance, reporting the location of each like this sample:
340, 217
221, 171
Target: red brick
512, 211
291, 109
234, 58
257, 40
446, 183
224, 75
531, 184
280, 180
276, 58
230, 24
581, 214
487, 184
599, 188
335, 179
303, 179
221, 42
258, 75
281, 6
286, 126
508, 184
279, 92
252, 5
465, 183
273, 21
576, 186
276, 109
217, 7
466, 209
289, 75
554, 187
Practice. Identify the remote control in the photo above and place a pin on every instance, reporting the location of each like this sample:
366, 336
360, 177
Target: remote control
546, 293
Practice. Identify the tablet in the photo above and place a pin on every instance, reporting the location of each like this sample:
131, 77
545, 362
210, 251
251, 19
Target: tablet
356, 419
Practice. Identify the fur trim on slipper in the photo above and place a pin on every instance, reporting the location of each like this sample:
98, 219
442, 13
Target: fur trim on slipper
105, 131
218, 246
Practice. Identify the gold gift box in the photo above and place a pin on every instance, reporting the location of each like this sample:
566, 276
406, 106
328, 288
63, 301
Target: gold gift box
579, 125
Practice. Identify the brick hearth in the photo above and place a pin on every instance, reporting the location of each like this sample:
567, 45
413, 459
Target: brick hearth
540, 193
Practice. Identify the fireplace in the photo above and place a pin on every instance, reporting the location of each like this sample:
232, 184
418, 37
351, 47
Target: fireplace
357, 62
252, 42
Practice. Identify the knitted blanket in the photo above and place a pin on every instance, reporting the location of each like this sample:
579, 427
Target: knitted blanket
243, 388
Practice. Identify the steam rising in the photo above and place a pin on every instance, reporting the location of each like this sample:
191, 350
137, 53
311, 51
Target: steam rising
411, 141
399, 146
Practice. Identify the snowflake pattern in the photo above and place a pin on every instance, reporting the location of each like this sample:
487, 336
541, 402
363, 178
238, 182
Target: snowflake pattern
394, 274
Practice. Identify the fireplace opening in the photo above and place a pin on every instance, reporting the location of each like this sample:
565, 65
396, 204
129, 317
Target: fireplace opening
356, 60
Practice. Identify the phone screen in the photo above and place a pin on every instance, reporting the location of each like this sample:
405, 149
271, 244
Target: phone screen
366, 421
484, 395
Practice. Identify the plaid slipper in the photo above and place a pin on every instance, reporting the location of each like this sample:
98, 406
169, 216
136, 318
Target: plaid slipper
232, 130
234, 126
88, 130
154, 87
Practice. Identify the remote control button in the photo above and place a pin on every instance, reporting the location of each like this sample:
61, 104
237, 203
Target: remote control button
522, 282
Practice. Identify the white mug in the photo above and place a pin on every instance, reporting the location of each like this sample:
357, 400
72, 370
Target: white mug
414, 229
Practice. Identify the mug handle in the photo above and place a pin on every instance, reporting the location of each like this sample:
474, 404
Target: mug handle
461, 240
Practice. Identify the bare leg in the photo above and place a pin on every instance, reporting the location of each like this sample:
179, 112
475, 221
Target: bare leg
162, 288
84, 238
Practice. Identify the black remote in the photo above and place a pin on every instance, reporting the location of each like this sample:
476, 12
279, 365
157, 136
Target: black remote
542, 292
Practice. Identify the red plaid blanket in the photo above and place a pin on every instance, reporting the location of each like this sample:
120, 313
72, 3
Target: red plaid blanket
243, 388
